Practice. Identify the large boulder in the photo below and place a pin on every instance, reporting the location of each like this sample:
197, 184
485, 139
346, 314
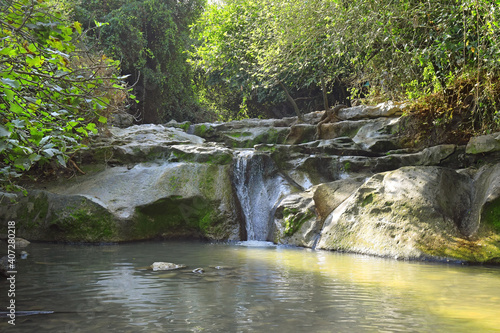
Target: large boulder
484, 144
299, 217
163, 199
411, 213
45, 216
148, 200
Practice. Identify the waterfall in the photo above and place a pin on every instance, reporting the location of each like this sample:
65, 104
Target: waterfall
259, 187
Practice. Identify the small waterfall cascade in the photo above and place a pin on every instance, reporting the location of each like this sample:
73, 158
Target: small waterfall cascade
259, 188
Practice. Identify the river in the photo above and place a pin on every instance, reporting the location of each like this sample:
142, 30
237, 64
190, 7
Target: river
246, 287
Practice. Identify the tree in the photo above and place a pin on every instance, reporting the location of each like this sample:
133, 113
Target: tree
52, 94
150, 37
385, 49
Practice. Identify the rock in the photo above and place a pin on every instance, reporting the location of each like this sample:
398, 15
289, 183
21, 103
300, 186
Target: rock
348, 128
198, 270
140, 143
166, 266
484, 144
4, 266
164, 199
45, 216
299, 217
121, 119
301, 133
329, 196
378, 135
294, 213
249, 137
206, 153
485, 210
386, 109
21, 243
410, 213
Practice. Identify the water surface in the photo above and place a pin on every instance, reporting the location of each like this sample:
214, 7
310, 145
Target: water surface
246, 287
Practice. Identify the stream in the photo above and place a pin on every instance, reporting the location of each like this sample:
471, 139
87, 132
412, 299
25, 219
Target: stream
246, 287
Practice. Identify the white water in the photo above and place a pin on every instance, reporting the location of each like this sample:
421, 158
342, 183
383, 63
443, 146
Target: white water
259, 188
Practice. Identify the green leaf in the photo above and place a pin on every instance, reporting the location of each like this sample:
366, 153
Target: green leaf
18, 123
4, 133
50, 152
103, 119
34, 62
9, 94
91, 127
11, 83
61, 160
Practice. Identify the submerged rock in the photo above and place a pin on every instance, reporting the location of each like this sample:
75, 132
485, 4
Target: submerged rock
21, 243
166, 266
198, 270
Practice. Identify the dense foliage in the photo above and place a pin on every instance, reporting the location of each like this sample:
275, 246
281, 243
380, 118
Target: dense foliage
52, 93
407, 49
150, 37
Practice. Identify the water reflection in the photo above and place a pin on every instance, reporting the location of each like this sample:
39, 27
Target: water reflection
247, 288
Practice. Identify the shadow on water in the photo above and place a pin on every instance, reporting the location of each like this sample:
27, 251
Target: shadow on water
246, 287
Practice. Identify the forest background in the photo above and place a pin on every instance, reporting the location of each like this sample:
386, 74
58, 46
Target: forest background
67, 65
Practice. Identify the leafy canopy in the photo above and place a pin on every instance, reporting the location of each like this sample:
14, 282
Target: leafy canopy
50, 98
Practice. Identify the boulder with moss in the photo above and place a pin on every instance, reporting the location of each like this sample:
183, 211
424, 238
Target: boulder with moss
411, 213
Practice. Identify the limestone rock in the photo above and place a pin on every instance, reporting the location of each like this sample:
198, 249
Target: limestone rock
295, 220
299, 217
386, 109
484, 144
485, 211
412, 212
46, 216
166, 266
21, 243
140, 143
121, 119
163, 199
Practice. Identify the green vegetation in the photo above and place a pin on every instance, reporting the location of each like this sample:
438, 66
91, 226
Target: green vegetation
491, 215
151, 38
442, 54
53, 94
294, 219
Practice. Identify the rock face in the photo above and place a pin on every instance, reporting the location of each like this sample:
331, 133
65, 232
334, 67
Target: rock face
354, 188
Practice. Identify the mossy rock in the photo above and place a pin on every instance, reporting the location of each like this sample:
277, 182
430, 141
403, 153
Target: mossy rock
179, 217
45, 216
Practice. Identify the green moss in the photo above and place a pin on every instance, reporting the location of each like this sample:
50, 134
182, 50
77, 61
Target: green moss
294, 220
491, 214
347, 166
485, 248
36, 212
218, 158
84, 224
201, 130
367, 200
267, 148
174, 216
185, 126
239, 134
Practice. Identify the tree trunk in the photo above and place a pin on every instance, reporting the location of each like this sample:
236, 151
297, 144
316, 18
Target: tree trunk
325, 97
291, 100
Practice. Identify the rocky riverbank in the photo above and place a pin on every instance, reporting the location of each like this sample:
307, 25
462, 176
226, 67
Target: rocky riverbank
353, 189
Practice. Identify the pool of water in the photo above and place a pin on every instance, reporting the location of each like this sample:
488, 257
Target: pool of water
246, 287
